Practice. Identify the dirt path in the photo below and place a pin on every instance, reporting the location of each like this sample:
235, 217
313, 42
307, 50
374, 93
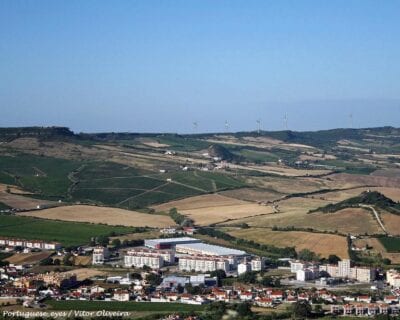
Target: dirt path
138, 195
376, 216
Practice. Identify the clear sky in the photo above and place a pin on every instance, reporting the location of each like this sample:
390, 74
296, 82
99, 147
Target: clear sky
161, 65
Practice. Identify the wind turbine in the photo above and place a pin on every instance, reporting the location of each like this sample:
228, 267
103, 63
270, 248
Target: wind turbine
258, 125
195, 125
226, 126
351, 120
285, 121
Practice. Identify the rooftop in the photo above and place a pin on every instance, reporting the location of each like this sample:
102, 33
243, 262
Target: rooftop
210, 249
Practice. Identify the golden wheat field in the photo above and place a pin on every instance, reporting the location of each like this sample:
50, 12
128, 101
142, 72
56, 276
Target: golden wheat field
322, 244
103, 215
214, 208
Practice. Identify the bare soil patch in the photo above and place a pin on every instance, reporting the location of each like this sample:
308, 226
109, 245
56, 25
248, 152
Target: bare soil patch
86, 273
19, 201
28, 258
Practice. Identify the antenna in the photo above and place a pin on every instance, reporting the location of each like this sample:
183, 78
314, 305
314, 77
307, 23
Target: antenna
258, 125
226, 126
351, 120
195, 125
285, 121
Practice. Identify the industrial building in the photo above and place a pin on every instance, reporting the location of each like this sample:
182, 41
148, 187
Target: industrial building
207, 250
169, 243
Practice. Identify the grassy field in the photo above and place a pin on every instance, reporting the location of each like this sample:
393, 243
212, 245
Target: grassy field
322, 244
103, 215
122, 306
67, 233
126, 187
44, 175
391, 244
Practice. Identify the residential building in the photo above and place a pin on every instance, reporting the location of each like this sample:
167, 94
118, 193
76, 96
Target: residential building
152, 258
200, 263
100, 255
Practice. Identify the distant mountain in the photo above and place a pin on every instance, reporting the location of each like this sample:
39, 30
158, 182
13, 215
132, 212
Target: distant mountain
8, 134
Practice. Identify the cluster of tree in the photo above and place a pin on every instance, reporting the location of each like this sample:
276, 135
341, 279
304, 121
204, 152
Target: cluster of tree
289, 252
373, 198
117, 243
154, 279
221, 310
252, 277
180, 219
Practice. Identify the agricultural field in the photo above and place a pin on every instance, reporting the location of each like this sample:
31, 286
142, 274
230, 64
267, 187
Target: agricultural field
41, 175
391, 222
253, 194
67, 233
377, 248
214, 208
102, 215
127, 187
322, 244
391, 244
20, 201
28, 258
287, 185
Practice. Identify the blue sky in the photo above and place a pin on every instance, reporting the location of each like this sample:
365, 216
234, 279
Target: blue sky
160, 65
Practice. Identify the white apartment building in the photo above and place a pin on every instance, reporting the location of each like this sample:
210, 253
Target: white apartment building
243, 268
344, 270
152, 258
307, 274
257, 264
31, 244
203, 263
100, 255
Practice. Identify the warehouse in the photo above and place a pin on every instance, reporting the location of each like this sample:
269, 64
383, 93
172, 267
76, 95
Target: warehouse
169, 243
207, 249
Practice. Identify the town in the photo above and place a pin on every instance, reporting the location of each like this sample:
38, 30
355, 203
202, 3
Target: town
186, 270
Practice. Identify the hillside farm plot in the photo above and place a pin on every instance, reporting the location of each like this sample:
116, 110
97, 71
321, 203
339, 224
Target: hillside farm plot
391, 222
291, 211
118, 185
322, 244
391, 244
214, 208
253, 194
294, 213
288, 185
67, 233
102, 215
355, 221
377, 248
42, 175
22, 202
